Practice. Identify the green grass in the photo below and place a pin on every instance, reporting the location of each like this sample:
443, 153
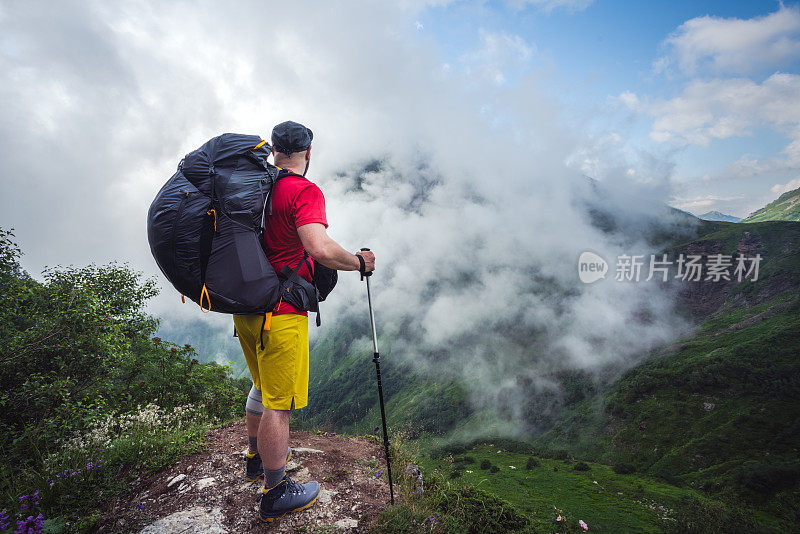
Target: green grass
496, 498
615, 503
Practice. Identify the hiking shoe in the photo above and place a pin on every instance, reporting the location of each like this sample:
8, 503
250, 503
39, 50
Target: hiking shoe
254, 469
287, 496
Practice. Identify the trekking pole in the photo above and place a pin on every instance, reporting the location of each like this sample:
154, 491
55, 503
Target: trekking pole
377, 359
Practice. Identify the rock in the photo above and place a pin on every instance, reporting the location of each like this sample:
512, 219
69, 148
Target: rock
302, 475
191, 521
302, 450
419, 484
206, 482
708, 406
347, 523
326, 495
178, 478
247, 486
189, 469
291, 465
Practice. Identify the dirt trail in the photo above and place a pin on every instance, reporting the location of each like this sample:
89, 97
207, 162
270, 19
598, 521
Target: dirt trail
207, 492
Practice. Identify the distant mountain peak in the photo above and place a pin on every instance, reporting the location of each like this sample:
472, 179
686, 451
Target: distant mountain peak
718, 216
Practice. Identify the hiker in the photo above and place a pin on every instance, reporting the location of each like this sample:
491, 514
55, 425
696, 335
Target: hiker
279, 368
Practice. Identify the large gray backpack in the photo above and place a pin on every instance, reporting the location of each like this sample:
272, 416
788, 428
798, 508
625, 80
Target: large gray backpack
205, 226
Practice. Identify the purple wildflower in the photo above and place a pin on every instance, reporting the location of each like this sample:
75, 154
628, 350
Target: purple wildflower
4, 520
376, 428
378, 474
31, 525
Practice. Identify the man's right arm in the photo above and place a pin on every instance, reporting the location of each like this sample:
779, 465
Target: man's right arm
328, 252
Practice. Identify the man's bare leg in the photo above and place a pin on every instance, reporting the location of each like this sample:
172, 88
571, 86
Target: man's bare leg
252, 425
273, 440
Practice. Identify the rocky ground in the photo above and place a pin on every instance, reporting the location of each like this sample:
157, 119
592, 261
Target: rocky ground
207, 492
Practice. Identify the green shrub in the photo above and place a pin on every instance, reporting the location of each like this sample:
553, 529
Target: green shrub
624, 469
695, 515
471, 510
532, 462
668, 476
109, 400
494, 469
581, 466
765, 479
486, 464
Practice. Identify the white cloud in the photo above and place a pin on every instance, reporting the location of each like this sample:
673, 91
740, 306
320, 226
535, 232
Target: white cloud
732, 45
472, 216
736, 107
780, 189
630, 100
501, 55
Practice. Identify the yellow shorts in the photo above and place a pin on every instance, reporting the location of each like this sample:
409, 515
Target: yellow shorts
280, 371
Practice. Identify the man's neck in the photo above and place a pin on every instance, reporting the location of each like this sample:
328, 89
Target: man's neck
296, 169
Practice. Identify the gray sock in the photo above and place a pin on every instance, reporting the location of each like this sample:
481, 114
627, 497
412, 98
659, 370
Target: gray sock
273, 477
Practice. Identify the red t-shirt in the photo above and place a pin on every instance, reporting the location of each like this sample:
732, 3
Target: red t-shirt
295, 201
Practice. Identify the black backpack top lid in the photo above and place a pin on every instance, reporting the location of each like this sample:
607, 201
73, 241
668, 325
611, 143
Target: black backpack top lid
205, 226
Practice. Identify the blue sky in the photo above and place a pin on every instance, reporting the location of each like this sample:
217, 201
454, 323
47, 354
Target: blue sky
591, 52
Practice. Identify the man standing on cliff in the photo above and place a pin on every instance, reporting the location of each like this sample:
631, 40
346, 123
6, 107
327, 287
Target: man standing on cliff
279, 369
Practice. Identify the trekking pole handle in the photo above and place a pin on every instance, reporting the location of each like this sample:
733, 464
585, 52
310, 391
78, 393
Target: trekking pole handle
363, 266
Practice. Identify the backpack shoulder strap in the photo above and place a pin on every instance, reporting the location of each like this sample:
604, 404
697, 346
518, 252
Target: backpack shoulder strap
282, 173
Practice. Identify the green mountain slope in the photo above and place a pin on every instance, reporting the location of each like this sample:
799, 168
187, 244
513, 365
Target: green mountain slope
785, 208
718, 411
344, 391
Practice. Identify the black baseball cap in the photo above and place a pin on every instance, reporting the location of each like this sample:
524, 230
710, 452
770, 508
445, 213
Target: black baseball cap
290, 137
